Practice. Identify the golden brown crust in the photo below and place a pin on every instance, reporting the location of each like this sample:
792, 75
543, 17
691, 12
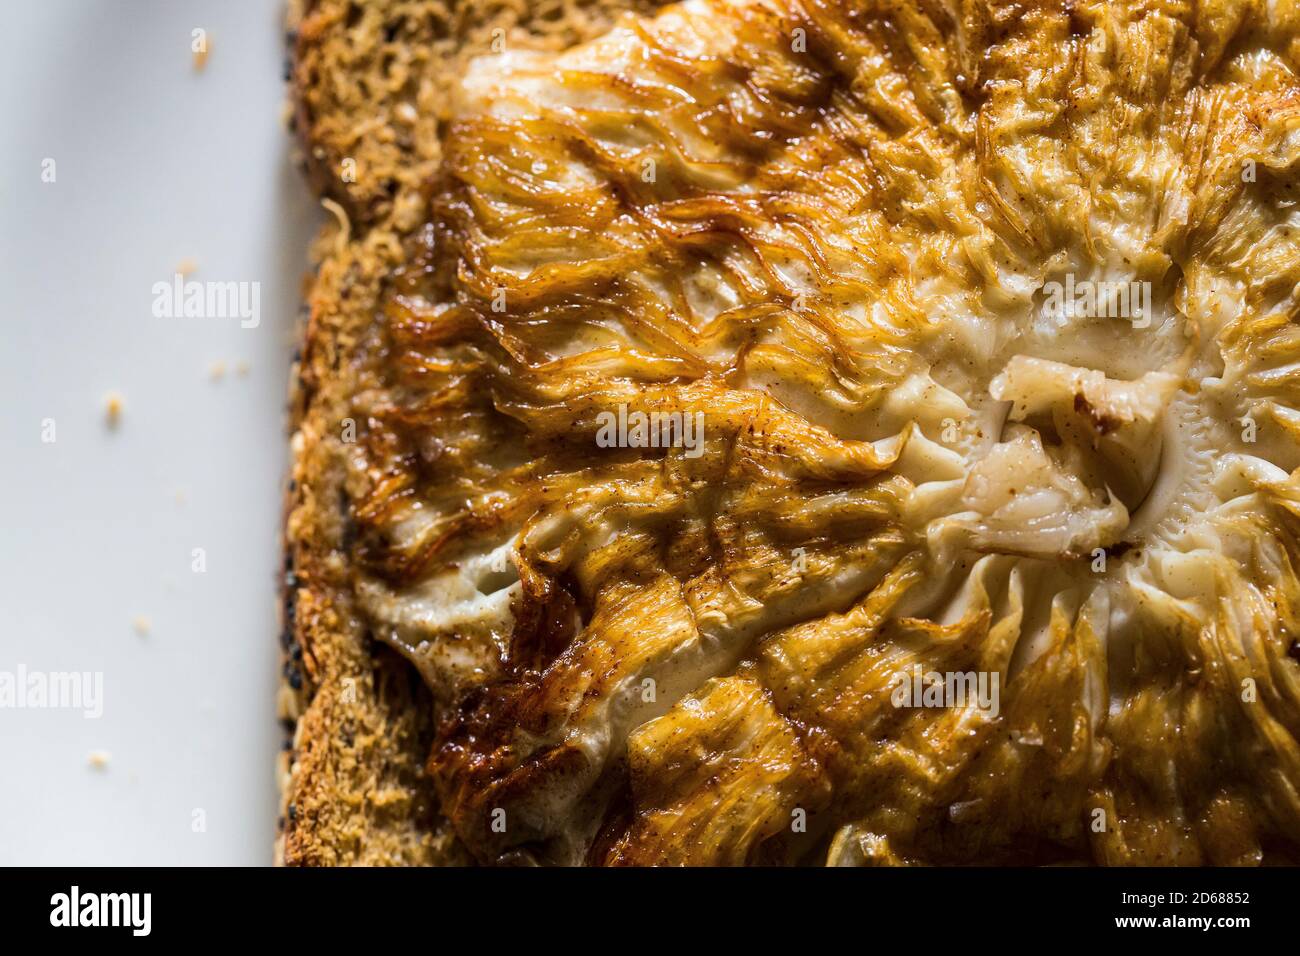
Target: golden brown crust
369, 87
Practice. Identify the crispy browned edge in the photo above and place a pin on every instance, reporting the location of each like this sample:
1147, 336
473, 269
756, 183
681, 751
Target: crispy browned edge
359, 720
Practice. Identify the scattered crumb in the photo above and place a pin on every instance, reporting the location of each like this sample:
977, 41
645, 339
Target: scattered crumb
142, 625
113, 408
241, 369
218, 370
99, 759
186, 266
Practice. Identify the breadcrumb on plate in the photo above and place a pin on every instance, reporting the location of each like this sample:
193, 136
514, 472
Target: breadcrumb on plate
113, 405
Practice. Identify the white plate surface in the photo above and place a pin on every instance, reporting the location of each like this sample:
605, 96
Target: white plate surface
154, 163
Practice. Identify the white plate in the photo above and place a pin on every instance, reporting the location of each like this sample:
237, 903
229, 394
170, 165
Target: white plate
154, 163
